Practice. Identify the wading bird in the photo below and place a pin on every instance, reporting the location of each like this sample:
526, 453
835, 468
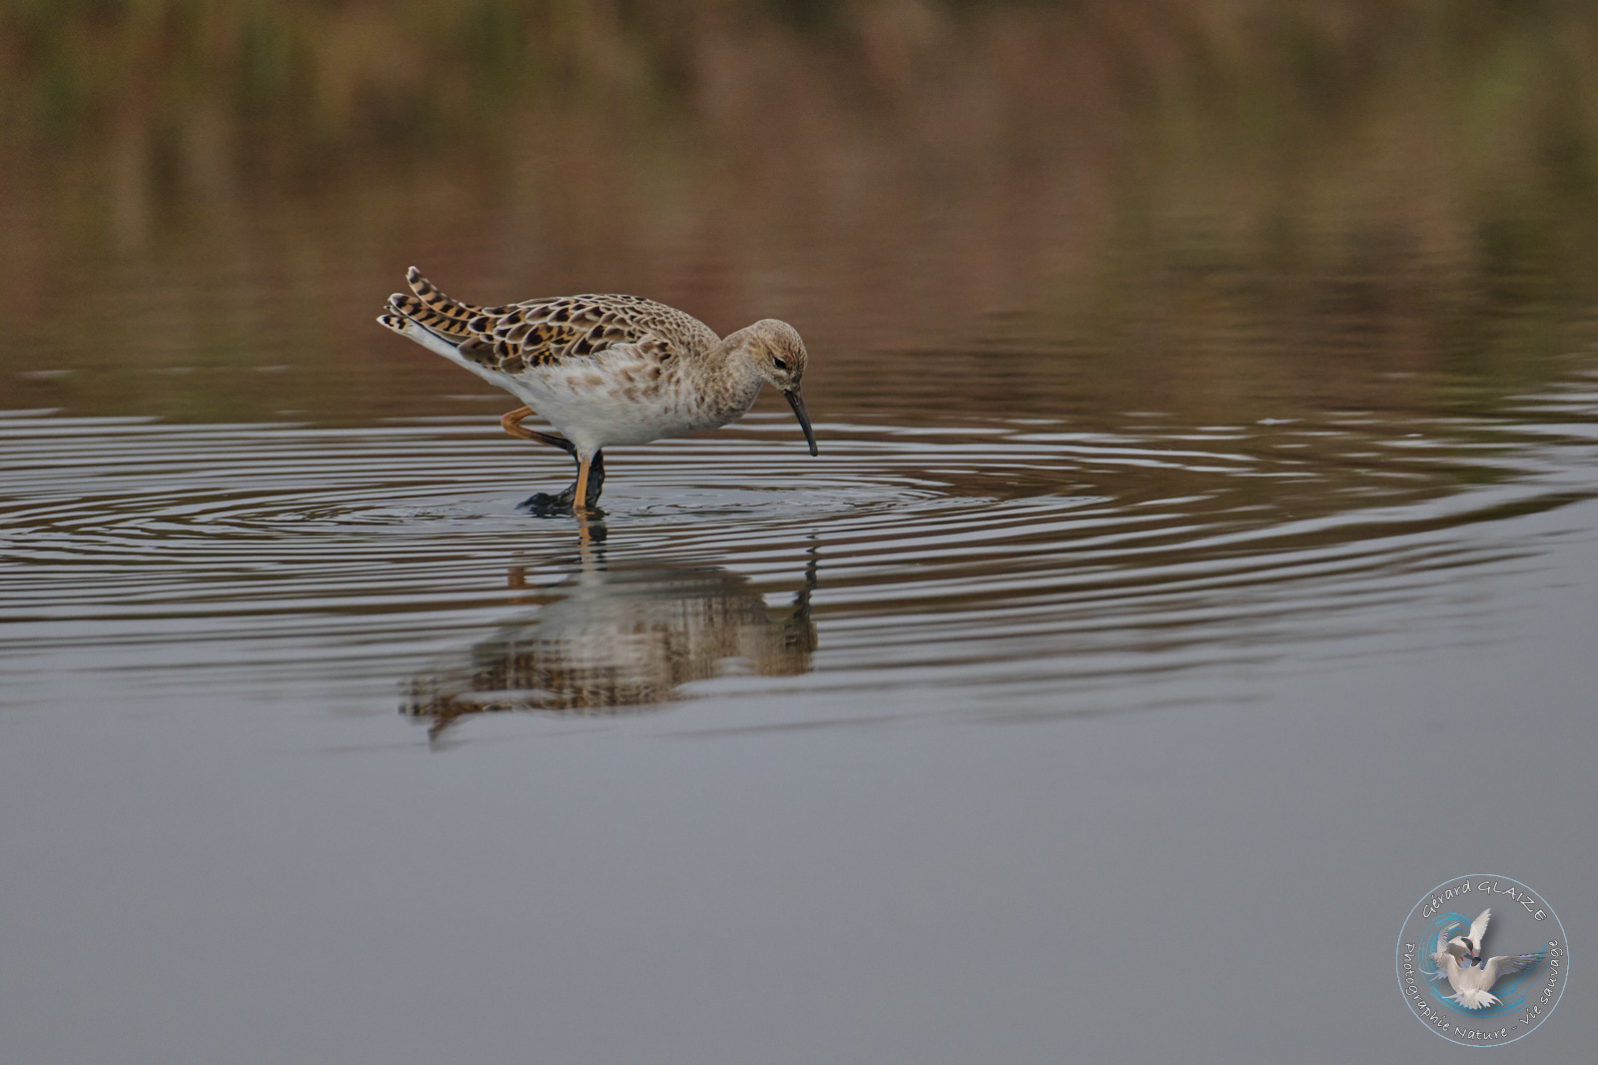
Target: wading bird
604, 369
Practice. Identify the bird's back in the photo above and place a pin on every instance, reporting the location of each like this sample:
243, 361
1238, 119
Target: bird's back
553, 331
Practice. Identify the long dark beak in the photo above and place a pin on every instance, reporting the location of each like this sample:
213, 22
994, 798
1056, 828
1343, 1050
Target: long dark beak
797, 402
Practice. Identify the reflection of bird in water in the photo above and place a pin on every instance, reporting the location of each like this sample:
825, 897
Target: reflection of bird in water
614, 638
1472, 983
604, 369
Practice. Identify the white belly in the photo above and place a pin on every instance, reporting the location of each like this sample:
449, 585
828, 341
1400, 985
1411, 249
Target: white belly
607, 401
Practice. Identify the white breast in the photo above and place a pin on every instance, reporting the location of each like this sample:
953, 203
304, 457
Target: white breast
622, 398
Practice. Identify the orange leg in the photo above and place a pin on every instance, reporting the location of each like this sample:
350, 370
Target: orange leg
580, 497
590, 481
512, 424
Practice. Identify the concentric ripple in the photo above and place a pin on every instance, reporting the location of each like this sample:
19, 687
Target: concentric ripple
1040, 564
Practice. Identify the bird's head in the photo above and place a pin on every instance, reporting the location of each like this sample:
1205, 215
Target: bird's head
774, 352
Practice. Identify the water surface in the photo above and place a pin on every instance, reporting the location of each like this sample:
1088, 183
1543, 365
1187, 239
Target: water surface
1200, 563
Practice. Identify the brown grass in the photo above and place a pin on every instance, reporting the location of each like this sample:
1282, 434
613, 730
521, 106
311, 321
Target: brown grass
1195, 201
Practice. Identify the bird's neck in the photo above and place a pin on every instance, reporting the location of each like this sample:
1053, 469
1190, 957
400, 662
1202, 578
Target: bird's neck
725, 379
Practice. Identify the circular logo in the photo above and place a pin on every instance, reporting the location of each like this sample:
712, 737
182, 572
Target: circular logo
1482, 960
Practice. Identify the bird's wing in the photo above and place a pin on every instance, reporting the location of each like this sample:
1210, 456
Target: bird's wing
1507, 965
1446, 957
1478, 927
547, 332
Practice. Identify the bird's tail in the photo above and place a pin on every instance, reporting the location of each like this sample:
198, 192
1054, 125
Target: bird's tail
433, 310
1473, 999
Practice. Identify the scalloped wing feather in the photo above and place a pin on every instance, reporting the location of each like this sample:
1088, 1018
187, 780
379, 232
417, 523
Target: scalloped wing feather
548, 332
551, 331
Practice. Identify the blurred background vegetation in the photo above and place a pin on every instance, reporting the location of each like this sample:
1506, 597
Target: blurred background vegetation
1222, 207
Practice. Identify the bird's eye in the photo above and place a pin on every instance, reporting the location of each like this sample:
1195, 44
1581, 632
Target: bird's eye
781, 364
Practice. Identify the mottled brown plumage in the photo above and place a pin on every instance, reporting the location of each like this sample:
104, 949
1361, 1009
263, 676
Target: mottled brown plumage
604, 369
543, 332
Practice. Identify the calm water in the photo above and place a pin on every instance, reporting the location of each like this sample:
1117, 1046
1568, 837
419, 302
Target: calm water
1201, 563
